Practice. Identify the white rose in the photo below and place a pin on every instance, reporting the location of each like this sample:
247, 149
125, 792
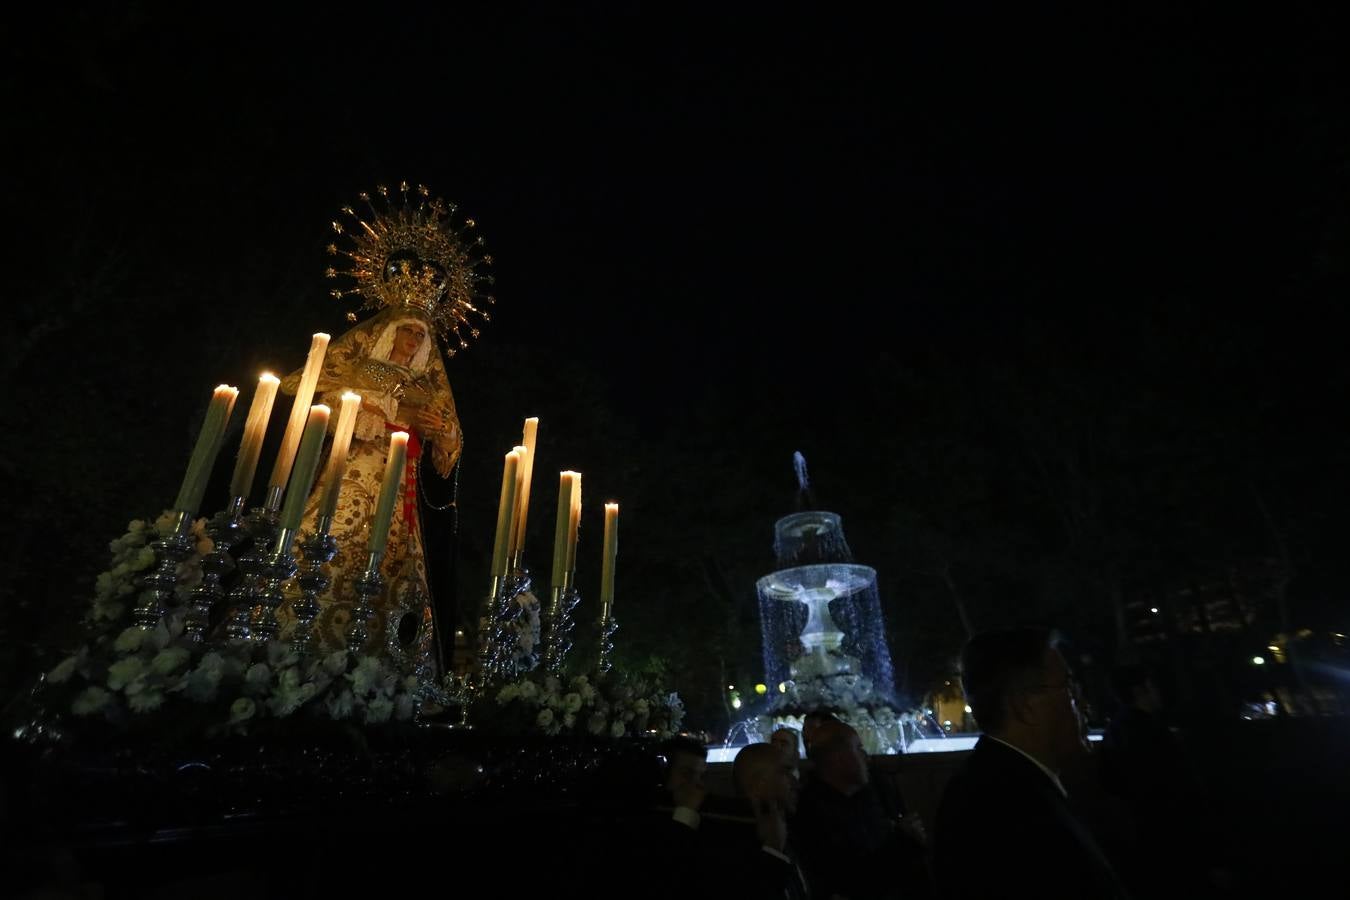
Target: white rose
91, 700
340, 705
168, 660
124, 671
379, 710
552, 684
569, 720
528, 690
641, 708
367, 677
507, 694
146, 701
258, 678
144, 559
280, 654
545, 718
64, 669
572, 702
616, 730
596, 723
242, 710
587, 693
335, 663
130, 640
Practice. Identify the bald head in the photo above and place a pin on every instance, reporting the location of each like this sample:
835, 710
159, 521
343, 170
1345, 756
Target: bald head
762, 773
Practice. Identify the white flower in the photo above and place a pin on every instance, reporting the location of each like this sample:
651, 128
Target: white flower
91, 700
587, 693
144, 559
105, 611
168, 660
545, 718
340, 704
403, 707
616, 730
572, 703
242, 710
124, 671
290, 694
379, 710
552, 685
212, 664
528, 690
258, 678
201, 683
280, 654
641, 708
367, 677
64, 669
507, 694
569, 720
335, 663
145, 701
596, 723
138, 684
130, 640
579, 682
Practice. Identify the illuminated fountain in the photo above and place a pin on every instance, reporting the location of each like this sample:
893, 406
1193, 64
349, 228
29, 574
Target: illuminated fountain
824, 639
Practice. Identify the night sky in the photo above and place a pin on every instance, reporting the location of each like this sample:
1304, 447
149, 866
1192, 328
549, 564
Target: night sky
1020, 287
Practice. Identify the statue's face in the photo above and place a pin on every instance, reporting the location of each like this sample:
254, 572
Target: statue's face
408, 339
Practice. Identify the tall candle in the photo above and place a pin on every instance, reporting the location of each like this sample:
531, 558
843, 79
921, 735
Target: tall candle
513, 546
611, 553
306, 464
204, 452
527, 440
574, 525
281, 471
506, 509
390, 489
566, 484
255, 428
337, 456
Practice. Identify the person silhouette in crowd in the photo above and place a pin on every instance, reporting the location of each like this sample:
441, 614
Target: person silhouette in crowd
1004, 825
853, 842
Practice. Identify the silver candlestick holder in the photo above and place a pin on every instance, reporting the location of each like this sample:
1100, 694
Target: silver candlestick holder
280, 565
171, 551
317, 549
369, 586
261, 526
494, 627
558, 625
226, 530
606, 649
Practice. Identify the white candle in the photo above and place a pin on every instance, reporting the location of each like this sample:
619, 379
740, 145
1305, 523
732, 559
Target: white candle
574, 525
566, 483
204, 452
506, 508
390, 489
306, 464
255, 428
513, 541
281, 471
611, 554
337, 456
527, 440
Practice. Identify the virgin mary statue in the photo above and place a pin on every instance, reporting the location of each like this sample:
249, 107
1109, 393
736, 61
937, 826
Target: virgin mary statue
408, 263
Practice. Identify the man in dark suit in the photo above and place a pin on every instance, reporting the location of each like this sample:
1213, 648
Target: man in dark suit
1004, 826
853, 840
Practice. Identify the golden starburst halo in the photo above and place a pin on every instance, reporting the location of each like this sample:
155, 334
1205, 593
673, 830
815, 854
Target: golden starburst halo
408, 252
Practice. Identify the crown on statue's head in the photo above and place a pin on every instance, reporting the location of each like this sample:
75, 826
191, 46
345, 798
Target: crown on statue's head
410, 255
